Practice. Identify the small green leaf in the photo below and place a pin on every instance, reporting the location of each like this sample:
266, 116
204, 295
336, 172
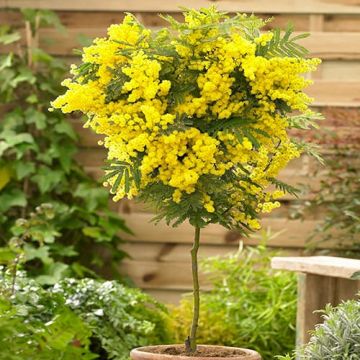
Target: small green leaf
65, 128
5, 175
127, 180
6, 255
36, 117
13, 197
32, 99
46, 179
117, 181
25, 75
355, 275
23, 169
7, 39
42, 253
13, 139
6, 61
92, 231
3, 147
54, 273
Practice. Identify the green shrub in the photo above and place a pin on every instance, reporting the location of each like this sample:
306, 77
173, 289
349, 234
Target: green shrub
249, 305
36, 325
68, 320
338, 338
338, 200
120, 318
37, 164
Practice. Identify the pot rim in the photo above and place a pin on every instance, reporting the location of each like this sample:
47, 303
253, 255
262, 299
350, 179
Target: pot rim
140, 351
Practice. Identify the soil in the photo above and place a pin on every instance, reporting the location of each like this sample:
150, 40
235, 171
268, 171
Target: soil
211, 351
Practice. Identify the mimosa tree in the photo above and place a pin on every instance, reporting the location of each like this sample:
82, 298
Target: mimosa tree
195, 118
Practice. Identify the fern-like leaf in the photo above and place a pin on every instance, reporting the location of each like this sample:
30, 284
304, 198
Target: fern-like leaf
284, 187
122, 170
305, 121
284, 45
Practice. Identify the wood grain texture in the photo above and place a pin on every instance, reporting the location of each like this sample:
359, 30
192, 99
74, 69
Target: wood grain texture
291, 232
319, 265
180, 253
278, 6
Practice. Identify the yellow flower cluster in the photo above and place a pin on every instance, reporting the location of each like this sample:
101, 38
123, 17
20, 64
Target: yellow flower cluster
189, 107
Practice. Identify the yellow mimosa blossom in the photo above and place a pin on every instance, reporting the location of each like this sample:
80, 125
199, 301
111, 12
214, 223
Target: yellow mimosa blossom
195, 119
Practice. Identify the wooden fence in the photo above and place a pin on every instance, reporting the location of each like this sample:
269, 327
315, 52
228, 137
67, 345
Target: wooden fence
160, 255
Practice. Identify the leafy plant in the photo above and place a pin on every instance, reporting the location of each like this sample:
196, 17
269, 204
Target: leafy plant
285, 45
32, 236
35, 324
120, 318
338, 338
37, 165
338, 200
249, 305
195, 118
75, 316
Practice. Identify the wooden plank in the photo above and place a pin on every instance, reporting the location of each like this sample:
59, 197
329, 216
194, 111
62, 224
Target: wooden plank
279, 6
316, 22
319, 265
91, 157
87, 137
169, 296
156, 275
333, 45
293, 233
180, 253
103, 19
341, 23
338, 70
314, 292
335, 93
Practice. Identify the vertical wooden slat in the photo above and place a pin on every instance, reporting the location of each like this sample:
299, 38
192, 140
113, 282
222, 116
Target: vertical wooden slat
316, 23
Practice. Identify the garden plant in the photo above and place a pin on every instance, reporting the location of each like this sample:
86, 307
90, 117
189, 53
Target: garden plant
339, 197
37, 163
338, 338
74, 318
195, 119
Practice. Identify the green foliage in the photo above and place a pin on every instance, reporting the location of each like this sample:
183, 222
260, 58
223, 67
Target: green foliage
37, 165
31, 241
284, 45
36, 325
120, 318
339, 198
285, 187
249, 305
305, 121
250, 25
73, 316
120, 169
338, 338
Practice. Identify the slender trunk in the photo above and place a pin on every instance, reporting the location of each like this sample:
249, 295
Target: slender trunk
196, 290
